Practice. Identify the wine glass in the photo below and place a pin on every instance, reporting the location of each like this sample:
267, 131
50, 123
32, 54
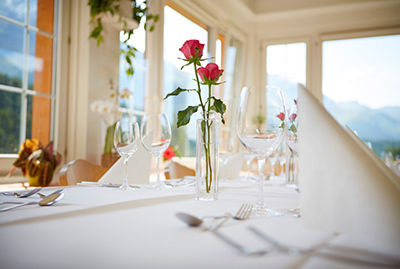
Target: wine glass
261, 131
126, 140
156, 137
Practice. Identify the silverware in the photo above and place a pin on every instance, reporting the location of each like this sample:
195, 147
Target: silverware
384, 260
293, 251
22, 195
294, 212
49, 200
54, 192
246, 250
181, 182
244, 212
109, 185
194, 221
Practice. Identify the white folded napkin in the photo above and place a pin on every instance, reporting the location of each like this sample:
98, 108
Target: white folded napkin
139, 166
344, 186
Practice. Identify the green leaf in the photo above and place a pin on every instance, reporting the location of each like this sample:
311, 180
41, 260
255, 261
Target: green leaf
184, 115
293, 128
219, 107
177, 92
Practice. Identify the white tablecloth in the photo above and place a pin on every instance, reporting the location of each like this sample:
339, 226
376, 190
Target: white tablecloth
99, 227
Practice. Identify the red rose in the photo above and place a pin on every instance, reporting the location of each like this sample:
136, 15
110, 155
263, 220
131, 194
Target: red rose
281, 116
293, 117
190, 47
169, 153
211, 71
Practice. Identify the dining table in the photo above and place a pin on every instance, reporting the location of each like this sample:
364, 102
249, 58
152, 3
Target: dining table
100, 226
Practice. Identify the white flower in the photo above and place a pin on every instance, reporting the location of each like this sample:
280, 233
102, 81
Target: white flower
97, 106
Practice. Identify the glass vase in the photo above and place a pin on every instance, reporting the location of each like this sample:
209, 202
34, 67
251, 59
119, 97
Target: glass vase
207, 157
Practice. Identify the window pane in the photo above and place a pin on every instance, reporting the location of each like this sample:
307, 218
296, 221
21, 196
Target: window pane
38, 118
10, 116
135, 84
40, 62
286, 67
12, 43
231, 92
15, 9
361, 87
178, 29
41, 14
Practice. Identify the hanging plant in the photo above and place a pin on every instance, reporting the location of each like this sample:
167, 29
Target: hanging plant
139, 10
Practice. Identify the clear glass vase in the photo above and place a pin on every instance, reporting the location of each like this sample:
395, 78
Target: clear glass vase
207, 157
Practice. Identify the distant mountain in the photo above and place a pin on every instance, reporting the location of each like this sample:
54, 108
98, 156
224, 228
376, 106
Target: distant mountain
370, 124
379, 126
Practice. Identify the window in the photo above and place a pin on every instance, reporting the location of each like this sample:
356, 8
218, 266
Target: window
136, 84
286, 67
27, 61
232, 88
361, 87
178, 29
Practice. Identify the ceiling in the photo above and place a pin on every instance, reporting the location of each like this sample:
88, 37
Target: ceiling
260, 7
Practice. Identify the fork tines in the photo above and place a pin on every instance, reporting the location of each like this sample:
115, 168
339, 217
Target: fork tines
244, 212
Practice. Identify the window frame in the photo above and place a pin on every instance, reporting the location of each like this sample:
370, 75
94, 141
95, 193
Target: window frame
214, 28
7, 159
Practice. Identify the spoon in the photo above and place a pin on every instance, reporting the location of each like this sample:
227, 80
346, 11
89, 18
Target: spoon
47, 201
193, 221
23, 195
54, 192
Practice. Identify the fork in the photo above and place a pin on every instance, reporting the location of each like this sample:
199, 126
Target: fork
54, 192
244, 212
22, 195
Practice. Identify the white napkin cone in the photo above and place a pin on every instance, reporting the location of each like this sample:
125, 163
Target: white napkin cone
344, 186
139, 166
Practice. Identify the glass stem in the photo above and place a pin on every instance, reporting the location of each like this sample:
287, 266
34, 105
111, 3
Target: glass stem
126, 158
261, 163
158, 170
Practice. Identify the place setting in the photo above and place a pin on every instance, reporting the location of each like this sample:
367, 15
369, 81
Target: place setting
29, 198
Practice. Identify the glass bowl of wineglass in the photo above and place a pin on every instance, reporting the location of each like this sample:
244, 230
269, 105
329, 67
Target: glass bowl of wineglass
156, 137
126, 140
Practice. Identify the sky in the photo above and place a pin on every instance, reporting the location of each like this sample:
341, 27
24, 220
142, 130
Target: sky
366, 70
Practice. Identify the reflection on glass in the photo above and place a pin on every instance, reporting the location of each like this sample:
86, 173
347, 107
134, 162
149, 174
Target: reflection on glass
10, 116
38, 124
40, 62
12, 44
360, 86
179, 29
15, 9
286, 67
